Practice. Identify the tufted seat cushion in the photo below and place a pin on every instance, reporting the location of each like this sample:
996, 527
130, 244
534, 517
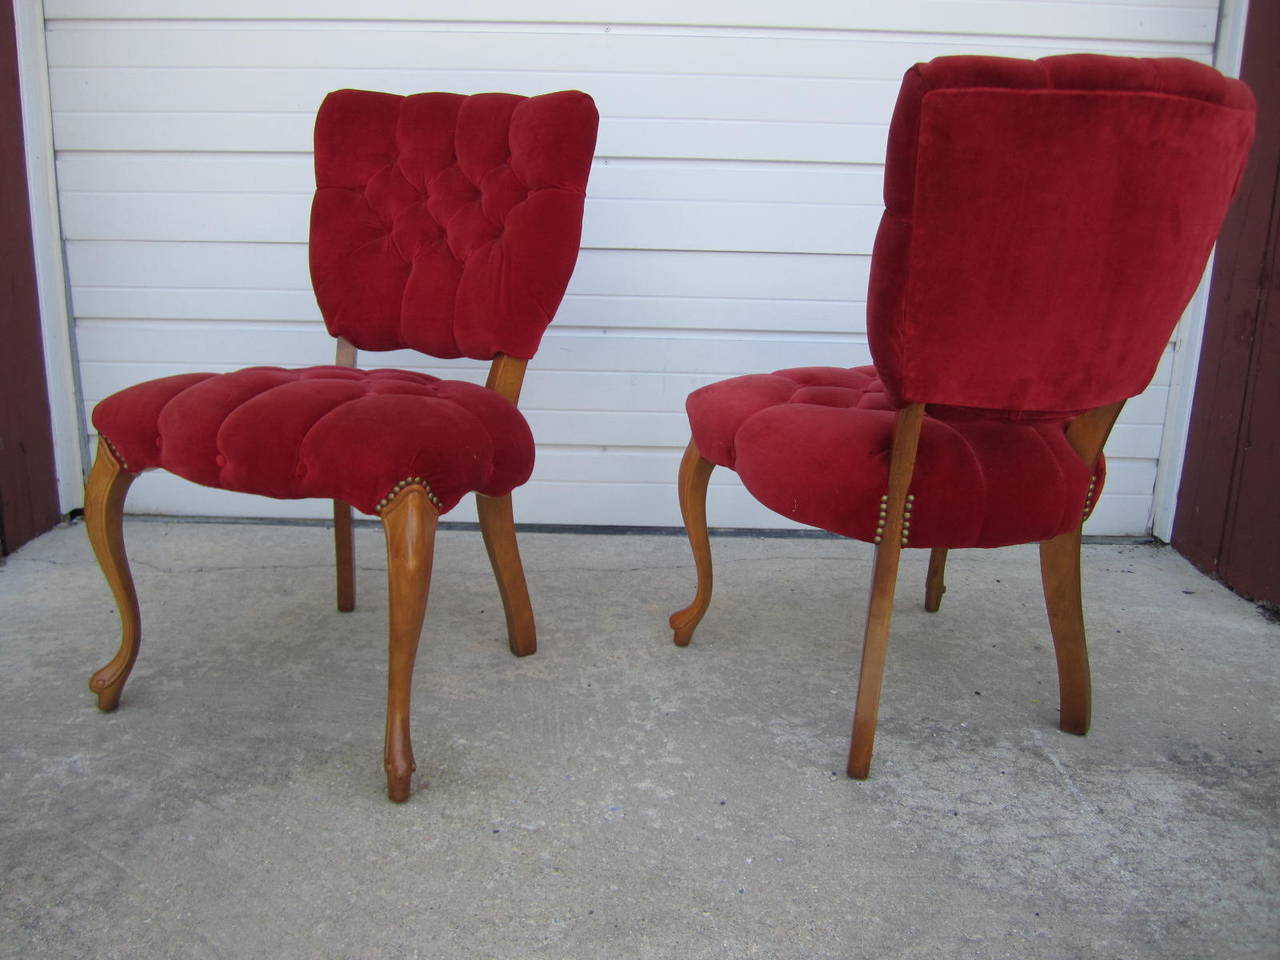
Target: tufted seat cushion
813, 444
330, 432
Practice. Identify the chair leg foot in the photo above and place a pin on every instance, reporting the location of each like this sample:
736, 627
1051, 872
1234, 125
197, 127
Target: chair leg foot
935, 585
104, 522
409, 522
1060, 572
344, 555
497, 524
695, 473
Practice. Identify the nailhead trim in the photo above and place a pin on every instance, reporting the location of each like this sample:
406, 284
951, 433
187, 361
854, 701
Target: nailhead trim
883, 518
114, 452
409, 481
1088, 497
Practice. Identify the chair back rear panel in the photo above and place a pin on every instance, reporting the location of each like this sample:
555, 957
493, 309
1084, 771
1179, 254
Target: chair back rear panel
444, 223
1046, 223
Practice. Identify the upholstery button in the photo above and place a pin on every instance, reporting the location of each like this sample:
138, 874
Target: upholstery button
220, 460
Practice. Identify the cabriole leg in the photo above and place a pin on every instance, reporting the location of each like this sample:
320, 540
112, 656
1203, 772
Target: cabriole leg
695, 473
498, 526
935, 585
104, 521
409, 522
1060, 571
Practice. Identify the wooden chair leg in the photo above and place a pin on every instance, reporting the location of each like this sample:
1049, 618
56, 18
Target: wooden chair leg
497, 524
875, 647
695, 472
104, 521
1060, 571
344, 551
935, 585
409, 522
892, 535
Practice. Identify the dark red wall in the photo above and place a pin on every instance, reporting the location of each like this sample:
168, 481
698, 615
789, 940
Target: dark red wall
1228, 517
28, 486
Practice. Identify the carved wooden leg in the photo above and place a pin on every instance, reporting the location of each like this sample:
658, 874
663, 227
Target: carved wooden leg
104, 521
344, 551
1060, 571
498, 526
409, 522
695, 473
935, 585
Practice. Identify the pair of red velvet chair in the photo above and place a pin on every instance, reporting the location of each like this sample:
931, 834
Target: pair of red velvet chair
1046, 223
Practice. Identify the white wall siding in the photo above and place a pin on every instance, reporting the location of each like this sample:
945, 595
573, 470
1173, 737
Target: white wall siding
733, 201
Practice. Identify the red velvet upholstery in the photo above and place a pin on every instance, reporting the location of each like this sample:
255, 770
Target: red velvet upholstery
978, 482
330, 432
1045, 224
444, 223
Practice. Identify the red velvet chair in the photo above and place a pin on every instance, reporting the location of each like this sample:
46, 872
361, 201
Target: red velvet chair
1046, 222
444, 223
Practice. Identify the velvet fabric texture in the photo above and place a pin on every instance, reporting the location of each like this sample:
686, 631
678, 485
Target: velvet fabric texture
443, 223
1046, 223
330, 432
448, 224
813, 444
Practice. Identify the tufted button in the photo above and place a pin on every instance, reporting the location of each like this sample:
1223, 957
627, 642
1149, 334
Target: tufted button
220, 460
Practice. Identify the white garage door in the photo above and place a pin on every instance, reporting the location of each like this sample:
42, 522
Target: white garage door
732, 206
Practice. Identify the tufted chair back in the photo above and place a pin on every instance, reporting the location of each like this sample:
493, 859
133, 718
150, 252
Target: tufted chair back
1097, 186
444, 223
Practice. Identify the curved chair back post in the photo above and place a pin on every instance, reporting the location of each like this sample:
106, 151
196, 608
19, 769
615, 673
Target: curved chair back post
506, 376
346, 353
1088, 432
343, 532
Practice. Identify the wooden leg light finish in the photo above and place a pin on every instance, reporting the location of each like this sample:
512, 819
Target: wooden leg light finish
104, 497
875, 643
935, 584
497, 524
409, 521
344, 555
1060, 571
695, 472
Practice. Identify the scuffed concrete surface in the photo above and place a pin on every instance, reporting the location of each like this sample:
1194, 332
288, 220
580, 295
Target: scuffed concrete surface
615, 796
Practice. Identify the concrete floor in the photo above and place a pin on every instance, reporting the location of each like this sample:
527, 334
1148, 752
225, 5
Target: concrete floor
617, 797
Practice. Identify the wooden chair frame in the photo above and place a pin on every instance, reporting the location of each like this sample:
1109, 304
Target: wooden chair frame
1059, 566
409, 523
